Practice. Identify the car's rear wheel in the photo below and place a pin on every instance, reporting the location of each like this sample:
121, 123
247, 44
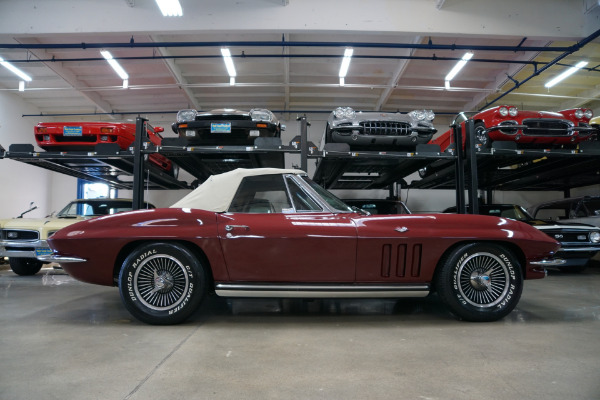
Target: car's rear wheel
480, 281
162, 283
25, 266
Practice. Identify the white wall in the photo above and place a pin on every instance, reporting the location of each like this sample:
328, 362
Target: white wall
21, 183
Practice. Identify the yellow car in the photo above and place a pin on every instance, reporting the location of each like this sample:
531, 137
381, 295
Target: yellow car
23, 240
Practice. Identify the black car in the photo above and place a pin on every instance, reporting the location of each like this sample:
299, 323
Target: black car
580, 242
226, 126
379, 206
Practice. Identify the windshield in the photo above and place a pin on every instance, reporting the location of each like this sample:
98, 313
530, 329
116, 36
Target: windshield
506, 211
94, 208
462, 117
593, 206
330, 198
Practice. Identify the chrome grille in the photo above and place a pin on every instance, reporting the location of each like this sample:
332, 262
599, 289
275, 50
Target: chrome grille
387, 128
547, 127
567, 236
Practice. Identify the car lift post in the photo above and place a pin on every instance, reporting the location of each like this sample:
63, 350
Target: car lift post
303, 143
472, 157
459, 170
138, 164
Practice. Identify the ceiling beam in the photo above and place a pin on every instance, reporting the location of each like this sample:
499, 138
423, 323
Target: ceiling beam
399, 71
178, 76
69, 77
502, 78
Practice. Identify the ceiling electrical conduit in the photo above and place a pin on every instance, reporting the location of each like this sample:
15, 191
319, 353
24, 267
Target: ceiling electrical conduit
245, 55
576, 47
426, 46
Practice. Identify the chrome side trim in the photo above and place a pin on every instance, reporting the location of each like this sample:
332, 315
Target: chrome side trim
60, 259
549, 263
321, 291
590, 248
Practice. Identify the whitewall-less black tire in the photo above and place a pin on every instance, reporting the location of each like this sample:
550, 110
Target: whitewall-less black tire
162, 283
480, 281
25, 266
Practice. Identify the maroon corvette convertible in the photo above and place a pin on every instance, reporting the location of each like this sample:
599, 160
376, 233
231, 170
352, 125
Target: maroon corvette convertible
275, 233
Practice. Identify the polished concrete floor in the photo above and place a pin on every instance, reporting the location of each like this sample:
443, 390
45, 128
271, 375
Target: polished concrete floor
62, 339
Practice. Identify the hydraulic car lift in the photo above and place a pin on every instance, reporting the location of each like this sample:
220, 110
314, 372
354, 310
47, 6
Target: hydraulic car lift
503, 167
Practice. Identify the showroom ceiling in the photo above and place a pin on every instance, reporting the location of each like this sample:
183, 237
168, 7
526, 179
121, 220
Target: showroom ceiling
296, 72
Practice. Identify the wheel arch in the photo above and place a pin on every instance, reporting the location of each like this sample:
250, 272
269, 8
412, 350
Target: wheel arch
516, 250
198, 252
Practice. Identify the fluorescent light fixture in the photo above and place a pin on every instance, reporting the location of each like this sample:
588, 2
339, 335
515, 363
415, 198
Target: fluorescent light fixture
114, 64
21, 86
170, 8
459, 65
228, 62
15, 70
342, 82
447, 84
125, 83
566, 74
232, 81
346, 62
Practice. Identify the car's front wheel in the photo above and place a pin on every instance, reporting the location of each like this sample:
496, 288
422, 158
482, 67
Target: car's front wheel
480, 281
25, 266
162, 283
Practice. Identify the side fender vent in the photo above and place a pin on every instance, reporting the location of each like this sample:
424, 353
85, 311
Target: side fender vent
395, 260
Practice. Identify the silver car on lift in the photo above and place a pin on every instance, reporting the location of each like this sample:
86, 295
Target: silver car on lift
376, 130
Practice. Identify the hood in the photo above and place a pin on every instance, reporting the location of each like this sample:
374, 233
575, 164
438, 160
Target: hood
225, 111
547, 224
42, 225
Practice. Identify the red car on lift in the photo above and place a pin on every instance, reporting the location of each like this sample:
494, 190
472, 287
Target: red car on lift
83, 136
533, 129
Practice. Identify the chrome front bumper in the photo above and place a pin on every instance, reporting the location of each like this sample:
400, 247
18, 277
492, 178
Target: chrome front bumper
55, 258
554, 262
33, 249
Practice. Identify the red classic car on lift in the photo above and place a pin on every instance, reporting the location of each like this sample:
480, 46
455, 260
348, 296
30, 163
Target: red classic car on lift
531, 128
83, 136
275, 233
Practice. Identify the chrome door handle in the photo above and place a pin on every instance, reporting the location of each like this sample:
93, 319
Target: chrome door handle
229, 228
401, 229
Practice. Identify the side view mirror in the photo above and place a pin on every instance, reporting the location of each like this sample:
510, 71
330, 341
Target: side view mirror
282, 127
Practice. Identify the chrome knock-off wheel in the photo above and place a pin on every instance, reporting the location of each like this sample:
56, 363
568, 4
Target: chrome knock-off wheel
480, 281
483, 279
162, 283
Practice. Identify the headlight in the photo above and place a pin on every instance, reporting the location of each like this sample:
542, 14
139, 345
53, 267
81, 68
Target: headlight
513, 111
419, 115
186, 115
503, 111
578, 113
429, 114
261, 115
588, 114
595, 237
344, 112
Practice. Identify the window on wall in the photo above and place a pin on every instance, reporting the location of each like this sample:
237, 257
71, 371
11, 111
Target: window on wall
94, 190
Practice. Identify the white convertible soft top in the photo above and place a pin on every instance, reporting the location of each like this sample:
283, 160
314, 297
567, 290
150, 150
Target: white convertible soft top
217, 192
